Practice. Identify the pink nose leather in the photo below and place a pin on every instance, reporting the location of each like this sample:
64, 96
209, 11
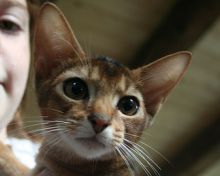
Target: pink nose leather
99, 123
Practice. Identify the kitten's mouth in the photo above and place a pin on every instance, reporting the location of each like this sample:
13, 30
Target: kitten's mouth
90, 147
91, 142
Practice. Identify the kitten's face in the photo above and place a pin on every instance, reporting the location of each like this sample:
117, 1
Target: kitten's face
98, 103
95, 106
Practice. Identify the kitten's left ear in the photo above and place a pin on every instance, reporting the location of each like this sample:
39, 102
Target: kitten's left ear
54, 40
157, 79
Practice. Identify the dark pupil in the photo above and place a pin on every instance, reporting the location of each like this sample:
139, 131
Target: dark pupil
75, 88
7, 25
128, 105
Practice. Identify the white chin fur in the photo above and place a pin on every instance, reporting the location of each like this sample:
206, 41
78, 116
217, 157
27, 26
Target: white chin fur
87, 144
90, 150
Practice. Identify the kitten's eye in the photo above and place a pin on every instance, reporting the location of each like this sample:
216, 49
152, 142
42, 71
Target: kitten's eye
128, 105
75, 88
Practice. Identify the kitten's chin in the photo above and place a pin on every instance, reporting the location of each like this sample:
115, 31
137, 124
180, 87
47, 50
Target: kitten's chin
88, 148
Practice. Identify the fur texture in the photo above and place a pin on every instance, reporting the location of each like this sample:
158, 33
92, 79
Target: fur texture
9, 165
94, 109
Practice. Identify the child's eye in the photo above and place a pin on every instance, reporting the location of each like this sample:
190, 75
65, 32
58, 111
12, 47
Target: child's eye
9, 26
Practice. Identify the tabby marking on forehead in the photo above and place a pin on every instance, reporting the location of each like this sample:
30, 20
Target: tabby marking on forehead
108, 109
122, 84
95, 74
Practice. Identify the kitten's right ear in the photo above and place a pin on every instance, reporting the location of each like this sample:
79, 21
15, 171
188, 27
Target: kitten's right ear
158, 79
54, 41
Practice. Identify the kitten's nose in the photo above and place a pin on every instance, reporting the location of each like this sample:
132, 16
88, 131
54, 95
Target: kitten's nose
99, 122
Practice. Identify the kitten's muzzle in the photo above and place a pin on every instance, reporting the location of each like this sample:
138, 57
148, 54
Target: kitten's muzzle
99, 122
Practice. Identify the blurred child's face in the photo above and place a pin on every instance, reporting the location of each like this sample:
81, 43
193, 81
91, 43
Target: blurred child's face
14, 56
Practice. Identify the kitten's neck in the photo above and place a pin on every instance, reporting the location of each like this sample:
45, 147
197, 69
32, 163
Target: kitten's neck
72, 164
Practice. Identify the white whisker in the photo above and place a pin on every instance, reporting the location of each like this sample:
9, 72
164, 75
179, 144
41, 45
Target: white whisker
143, 151
125, 160
143, 155
136, 159
155, 151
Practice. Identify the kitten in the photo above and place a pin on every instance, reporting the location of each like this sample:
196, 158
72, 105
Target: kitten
94, 109
9, 164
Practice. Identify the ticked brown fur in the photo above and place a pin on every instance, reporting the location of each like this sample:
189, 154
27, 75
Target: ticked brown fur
9, 165
94, 134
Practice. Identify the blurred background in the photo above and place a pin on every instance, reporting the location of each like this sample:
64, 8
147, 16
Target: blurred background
135, 32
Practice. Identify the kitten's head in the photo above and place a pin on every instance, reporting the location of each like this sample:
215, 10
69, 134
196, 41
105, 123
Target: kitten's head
96, 105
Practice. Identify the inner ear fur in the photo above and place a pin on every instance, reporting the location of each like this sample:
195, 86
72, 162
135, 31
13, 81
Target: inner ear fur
157, 79
54, 40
